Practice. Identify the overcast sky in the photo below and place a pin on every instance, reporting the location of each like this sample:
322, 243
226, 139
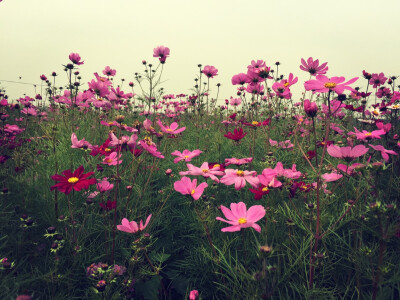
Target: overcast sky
36, 37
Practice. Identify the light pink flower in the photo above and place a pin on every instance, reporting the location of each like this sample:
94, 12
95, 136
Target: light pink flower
193, 294
238, 161
347, 153
323, 84
239, 217
329, 177
239, 178
367, 135
125, 140
132, 227
349, 170
204, 171
172, 129
151, 148
104, 185
384, 152
187, 187
112, 159
186, 155
77, 144
241, 79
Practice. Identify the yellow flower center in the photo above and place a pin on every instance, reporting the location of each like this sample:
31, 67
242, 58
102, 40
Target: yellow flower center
216, 166
242, 221
330, 85
254, 123
204, 170
240, 173
376, 112
192, 192
301, 120
265, 189
108, 160
286, 84
368, 134
110, 123
107, 149
73, 179
186, 156
169, 129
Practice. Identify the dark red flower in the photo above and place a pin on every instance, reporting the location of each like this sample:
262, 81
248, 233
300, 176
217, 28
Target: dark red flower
237, 135
260, 192
110, 205
69, 181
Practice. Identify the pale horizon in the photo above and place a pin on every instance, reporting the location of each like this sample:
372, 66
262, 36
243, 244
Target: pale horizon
37, 36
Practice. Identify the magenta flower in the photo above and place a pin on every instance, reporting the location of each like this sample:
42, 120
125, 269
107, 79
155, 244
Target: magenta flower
384, 152
310, 108
132, 227
193, 294
76, 59
43, 77
239, 178
367, 135
152, 149
330, 177
239, 217
186, 155
237, 161
77, 144
112, 159
76, 180
172, 129
347, 153
237, 134
109, 72
377, 80
210, 71
187, 187
313, 67
161, 52
204, 171
349, 170
241, 79
323, 84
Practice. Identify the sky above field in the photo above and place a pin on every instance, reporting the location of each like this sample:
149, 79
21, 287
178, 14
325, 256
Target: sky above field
36, 37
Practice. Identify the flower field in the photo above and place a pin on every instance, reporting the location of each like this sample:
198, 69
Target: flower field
117, 190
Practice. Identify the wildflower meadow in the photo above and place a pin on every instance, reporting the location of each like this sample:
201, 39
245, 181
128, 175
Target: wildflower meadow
114, 189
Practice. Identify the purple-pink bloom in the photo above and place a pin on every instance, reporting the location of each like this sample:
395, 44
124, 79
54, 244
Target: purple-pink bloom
161, 52
310, 108
151, 148
76, 144
347, 153
204, 171
329, 177
377, 79
186, 155
187, 187
239, 217
238, 161
323, 84
241, 79
384, 152
109, 72
104, 186
112, 159
132, 227
210, 71
193, 294
76, 59
313, 67
367, 135
239, 178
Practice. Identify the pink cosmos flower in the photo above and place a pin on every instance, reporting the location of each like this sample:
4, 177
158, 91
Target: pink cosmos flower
239, 178
329, 177
104, 186
161, 52
349, 170
152, 149
132, 227
193, 294
76, 59
313, 67
109, 72
385, 127
288, 173
172, 129
186, 155
239, 217
77, 144
384, 152
347, 153
125, 140
187, 187
323, 84
210, 71
204, 171
367, 135
377, 80
99, 87
310, 108
241, 79
235, 101
112, 159
237, 161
